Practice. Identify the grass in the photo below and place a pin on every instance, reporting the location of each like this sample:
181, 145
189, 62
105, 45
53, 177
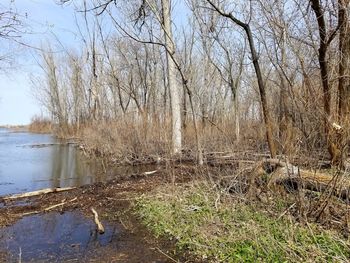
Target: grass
215, 227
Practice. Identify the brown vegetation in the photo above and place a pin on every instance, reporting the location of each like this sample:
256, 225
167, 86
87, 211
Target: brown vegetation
40, 124
126, 90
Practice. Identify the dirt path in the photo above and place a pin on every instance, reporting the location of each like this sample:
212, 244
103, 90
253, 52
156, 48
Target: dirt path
67, 233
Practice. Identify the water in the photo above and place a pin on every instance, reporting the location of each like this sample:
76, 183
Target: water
29, 162
54, 237
27, 168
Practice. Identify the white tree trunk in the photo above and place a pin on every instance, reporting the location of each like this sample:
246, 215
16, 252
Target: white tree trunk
172, 83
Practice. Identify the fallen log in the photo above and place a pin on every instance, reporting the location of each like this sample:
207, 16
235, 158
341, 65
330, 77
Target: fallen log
38, 192
98, 223
293, 178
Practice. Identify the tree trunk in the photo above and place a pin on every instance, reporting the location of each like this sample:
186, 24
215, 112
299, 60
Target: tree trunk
344, 78
95, 107
331, 135
172, 83
344, 65
262, 90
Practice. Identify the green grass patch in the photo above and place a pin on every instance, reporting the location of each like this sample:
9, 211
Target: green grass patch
211, 226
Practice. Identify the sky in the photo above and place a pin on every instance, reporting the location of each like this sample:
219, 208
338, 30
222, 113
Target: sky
46, 21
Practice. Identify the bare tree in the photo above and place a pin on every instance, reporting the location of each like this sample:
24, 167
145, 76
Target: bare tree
11, 25
325, 39
261, 84
12, 28
142, 64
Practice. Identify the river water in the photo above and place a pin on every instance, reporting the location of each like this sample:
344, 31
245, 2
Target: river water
30, 162
34, 161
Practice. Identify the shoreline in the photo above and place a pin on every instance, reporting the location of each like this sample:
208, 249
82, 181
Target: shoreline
113, 201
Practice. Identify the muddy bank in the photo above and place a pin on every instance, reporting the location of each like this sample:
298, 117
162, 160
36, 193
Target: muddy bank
67, 233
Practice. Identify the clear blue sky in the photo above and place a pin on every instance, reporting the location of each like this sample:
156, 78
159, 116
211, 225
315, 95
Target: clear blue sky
45, 19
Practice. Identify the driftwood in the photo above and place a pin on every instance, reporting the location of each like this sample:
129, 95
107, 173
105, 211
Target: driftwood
50, 207
60, 204
98, 223
38, 192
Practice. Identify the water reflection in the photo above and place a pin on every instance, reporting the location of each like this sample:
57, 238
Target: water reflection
25, 168
54, 236
69, 168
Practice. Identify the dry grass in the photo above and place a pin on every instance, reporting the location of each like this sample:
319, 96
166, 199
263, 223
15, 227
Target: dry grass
40, 124
127, 141
133, 140
142, 141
